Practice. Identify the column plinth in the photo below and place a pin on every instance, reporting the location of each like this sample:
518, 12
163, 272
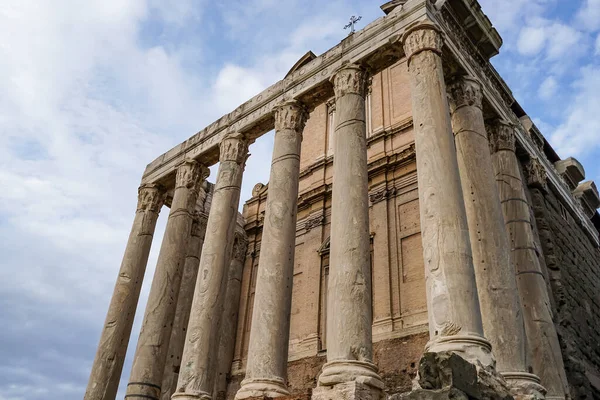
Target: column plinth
153, 343
108, 364
349, 312
494, 272
184, 305
545, 357
266, 371
199, 360
452, 300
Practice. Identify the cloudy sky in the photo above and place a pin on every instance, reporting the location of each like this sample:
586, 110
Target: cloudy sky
90, 92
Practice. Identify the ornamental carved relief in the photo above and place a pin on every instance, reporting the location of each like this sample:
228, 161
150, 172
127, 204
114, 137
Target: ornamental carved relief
234, 148
150, 198
199, 222
240, 246
502, 136
536, 174
465, 91
420, 38
350, 79
290, 115
314, 221
191, 174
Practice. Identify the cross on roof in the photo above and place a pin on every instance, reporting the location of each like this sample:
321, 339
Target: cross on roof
353, 20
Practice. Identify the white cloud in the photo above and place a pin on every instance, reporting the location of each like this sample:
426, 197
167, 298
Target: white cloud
597, 50
589, 15
531, 40
548, 88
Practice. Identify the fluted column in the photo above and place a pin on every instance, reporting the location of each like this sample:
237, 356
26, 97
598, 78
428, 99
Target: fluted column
198, 363
108, 364
230, 315
349, 313
266, 370
184, 306
495, 275
542, 340
452, 300
153, 342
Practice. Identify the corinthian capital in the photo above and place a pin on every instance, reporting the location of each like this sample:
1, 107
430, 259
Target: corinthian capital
150, 198
464, 91
234, 148
190, 174
422, 37
349, 79
536, 174
502, 136
290, 115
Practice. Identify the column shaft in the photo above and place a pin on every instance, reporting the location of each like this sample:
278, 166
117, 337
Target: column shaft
153, 342
542, 340
108, 364
495, 275
349, 312
230, 315
198, 364
266, 370
184, 306
452, 300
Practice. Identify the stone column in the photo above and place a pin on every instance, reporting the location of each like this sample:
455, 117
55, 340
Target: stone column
349, 369
108, 364
495, 275
184, 306
199, 360
153, 343
230, 315
542, 340
266, 371
452, 300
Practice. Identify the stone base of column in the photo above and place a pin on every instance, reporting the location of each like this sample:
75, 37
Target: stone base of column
342, 371
471, 347
200, 395
262, 388
353, 390
447, 375
524, 386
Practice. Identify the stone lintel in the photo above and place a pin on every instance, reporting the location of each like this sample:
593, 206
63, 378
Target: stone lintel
309, 84
571, 170
587, 194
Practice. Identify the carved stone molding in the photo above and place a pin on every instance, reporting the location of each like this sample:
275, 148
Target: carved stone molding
423, 37
381, 194
191, 174
465, 91
314, 221
150, 198
350, 79
258, 189
536, 174
330, 105
234, 148
240, 246
290, 115
502, 136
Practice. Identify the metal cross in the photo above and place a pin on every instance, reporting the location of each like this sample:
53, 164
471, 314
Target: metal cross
353, 20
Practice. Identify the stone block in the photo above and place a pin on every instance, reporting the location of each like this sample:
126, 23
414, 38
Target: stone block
352, 390
571, 170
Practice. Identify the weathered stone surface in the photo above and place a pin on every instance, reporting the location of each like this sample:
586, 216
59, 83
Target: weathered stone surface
198, 364
184, 306
542, 341
153, 342
495, 274
453, 305
349, 310
108, 364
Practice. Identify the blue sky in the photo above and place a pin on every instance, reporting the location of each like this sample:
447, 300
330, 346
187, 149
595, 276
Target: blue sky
90, 92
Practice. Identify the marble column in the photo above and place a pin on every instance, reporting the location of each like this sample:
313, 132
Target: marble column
495, 275
230, 315
349, 312
108, 364
199, 360
542, 340
184, 305
266, 371
153, 342
452, 301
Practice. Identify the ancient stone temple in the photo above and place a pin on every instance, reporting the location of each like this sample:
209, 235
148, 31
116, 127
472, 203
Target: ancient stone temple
418, 237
